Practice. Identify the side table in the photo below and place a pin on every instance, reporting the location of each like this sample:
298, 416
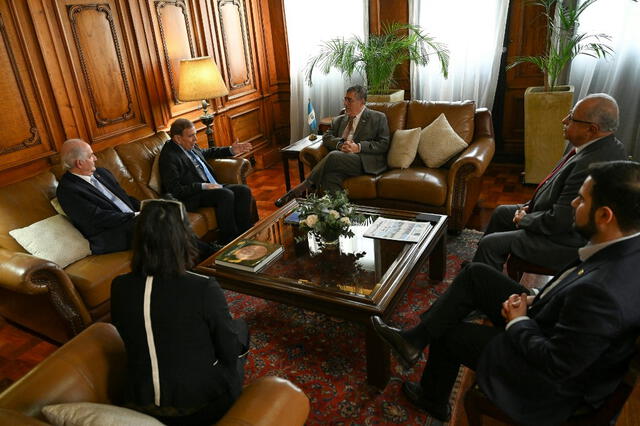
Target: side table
293, 151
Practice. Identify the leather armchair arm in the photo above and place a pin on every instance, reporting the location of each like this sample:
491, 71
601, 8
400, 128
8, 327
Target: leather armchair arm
478, 155
266, 401
312, 154
231, 170
17, 270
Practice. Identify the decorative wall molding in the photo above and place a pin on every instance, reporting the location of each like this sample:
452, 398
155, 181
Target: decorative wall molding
161, 4
34, 138
74, 11
246, 45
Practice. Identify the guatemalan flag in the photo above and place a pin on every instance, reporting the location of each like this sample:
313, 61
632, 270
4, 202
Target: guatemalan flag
311, 118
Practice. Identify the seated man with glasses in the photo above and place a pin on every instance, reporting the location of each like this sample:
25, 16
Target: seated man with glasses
358, 141
540, 231
97, 205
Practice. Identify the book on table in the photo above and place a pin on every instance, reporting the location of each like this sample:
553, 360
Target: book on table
249, 255
397, 230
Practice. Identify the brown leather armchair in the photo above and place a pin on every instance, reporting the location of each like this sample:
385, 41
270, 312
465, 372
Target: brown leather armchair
59, 303
91, 368
452, 189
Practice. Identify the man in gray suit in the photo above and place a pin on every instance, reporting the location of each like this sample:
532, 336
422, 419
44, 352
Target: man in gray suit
358, 141
540, 231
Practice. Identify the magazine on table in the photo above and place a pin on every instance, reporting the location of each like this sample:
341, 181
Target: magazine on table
397, 230
249, 255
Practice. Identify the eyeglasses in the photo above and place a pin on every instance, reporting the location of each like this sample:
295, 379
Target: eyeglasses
176, 203
570, 118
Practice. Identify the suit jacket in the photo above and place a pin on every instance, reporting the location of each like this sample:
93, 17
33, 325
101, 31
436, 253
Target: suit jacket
550, 213
577, 345
101, 222
180, 177
197, 342
372, 134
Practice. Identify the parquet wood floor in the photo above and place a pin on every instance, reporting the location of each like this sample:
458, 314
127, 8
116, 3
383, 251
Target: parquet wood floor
20, 351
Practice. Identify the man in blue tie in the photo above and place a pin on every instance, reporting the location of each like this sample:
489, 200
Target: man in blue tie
94, 201
186, 175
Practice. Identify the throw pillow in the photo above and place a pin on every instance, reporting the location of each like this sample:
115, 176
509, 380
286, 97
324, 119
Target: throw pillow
56, 205
154, 178
439, 142
404, 146
93, 414
54, 239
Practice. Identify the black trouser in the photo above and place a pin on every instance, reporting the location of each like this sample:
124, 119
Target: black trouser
452, 341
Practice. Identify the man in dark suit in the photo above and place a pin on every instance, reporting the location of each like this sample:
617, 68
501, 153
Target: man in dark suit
94, 201
186, 175
540, 231
547, 355
358, 141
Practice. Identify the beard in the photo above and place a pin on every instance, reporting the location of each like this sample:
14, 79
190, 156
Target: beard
589, 229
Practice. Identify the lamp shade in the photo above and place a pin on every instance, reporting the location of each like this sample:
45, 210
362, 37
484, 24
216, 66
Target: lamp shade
200, 79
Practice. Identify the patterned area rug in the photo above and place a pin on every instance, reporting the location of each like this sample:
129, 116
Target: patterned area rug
325, 356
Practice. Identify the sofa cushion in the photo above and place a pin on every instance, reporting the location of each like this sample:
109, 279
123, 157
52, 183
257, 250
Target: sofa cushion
110, 160
461, 116
417, 184
404, 146
154, 178
93, 414
54, 239
396, 113
198, 223
92, 275
138, 158
439, 142
361, 187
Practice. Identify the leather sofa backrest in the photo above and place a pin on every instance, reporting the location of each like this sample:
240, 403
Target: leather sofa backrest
23, 203
139, 156
396, 113
89, 368
461, 116
109, 159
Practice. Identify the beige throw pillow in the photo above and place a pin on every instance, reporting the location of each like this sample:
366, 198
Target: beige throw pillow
56, 205
439, 142
404, 146
54, 239
154, 178
93, 414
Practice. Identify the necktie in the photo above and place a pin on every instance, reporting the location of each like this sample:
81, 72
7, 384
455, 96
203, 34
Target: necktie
348, 129
203, 170
553, 173
110, 195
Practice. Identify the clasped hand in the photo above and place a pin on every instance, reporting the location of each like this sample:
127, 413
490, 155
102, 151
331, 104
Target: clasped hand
519, 214
350, 146
516, 306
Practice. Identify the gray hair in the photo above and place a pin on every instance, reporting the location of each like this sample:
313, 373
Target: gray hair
360, 91
72, 150
603, 111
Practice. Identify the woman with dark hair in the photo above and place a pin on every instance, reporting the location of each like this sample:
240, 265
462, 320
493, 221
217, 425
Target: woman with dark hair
185, 353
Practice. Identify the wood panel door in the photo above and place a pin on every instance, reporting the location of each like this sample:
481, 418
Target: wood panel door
29, 129
526, 37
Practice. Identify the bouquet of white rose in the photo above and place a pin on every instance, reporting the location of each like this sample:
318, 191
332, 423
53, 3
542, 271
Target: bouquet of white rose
328, 217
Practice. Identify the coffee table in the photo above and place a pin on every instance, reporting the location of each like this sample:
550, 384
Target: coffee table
361, 278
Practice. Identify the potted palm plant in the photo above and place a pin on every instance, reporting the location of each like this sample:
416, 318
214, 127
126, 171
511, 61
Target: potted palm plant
544, 107
377, 57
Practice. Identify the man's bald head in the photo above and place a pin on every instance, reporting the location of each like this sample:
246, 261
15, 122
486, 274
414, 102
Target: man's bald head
601, 109
77, 156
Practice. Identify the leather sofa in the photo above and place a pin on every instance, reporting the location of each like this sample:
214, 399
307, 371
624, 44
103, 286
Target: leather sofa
59, 303
452, 189
91, 367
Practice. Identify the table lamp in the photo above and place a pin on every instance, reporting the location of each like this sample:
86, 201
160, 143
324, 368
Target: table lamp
200, 79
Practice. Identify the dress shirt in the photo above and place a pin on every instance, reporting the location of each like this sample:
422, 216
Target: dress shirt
199, 165
93, 181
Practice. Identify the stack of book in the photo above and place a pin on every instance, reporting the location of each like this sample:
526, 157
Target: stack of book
249, 255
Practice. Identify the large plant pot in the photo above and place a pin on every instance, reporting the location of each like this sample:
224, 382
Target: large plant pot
392, 96
544, 142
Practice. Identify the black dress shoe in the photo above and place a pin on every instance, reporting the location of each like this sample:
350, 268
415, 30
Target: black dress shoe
439, 411
285, 199
405, 352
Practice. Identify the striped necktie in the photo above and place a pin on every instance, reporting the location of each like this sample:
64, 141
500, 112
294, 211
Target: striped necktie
110, 195
348, 129
203, 170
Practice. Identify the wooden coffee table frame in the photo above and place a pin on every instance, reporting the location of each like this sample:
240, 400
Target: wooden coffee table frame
342, 304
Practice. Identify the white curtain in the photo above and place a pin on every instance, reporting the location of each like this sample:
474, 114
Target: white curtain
473, 30
620, 75
308, 24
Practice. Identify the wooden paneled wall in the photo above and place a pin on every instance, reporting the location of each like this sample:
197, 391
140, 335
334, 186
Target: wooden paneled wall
107, 71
